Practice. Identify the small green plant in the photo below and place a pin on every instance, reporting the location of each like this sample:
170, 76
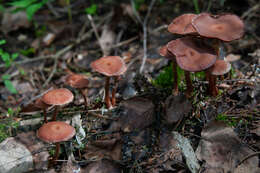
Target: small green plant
9, 124
7, 57
29, 6
230, 121
8, 84
196, 6
92, 9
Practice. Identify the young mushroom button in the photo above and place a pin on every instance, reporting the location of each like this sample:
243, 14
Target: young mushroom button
57, 97
79, 82
110, 66
56, 132
221, 67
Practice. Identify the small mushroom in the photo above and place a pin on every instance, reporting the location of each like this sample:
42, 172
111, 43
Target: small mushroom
167, 54
57, 97
182, 25
56, 132
79, 82
225, 27
40, 104
220, 67
191, 56
110, 66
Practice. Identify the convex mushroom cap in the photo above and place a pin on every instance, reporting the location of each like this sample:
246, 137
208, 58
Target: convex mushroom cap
77, 81
220, 67
109, 65
226, 27
57, 97
163, 51
40, 104
56, 131
182, 25
190, 55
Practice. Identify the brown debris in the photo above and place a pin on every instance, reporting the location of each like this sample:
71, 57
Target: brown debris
222, 149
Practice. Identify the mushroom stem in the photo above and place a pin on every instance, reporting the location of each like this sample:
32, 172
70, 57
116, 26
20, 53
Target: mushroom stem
175, 77
57, 151
107, 98
45, 116
189, 84
113, 99
84, 96
55, 113
214, 89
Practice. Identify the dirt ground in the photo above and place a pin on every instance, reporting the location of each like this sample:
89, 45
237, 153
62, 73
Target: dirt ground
149, 129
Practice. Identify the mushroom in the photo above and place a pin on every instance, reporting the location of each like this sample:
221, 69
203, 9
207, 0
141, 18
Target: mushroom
79, 82
40, 104
110, 66
57, 97
191, 56
220, 67
182, 25
225, 27
167, 54
56, 132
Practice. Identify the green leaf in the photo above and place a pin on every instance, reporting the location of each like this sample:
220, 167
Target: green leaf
32, 9
92, 9
14, 56
2, 42
6, 77
22, 3
10, 86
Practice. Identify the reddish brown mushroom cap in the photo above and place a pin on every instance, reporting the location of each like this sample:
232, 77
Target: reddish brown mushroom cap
40, 104
226, 27
190, 56
220, 67
77, 81
60, 96
109, 65
182, 25
56, 131
163, 51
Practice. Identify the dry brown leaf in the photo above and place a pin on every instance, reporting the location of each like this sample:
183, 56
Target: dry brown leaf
222, 149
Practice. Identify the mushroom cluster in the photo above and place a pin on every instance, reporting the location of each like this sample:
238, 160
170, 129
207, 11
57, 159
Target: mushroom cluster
193, 53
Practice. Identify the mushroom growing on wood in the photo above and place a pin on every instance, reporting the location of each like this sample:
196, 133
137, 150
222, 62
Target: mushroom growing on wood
167, 54
56, 132
191, 57
110, 66
220, 67
79, 82
57, 97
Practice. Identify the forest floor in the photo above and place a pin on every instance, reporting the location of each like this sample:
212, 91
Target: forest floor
149, 129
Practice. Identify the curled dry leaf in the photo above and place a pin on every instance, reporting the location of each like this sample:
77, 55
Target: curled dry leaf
176, 107
136, 113
102, 166
222, 149
104, 148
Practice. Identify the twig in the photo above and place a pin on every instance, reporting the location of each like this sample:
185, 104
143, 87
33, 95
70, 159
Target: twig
96, 33
250, 10
52, 10
144, 24
100, 116
247, 157
56, 56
